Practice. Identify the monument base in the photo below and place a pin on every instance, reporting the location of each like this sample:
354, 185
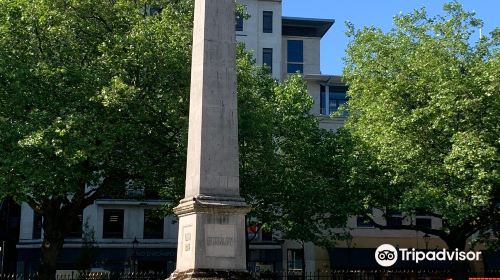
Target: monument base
205, 274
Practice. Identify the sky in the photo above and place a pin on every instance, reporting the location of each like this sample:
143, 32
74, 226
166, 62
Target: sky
377, 13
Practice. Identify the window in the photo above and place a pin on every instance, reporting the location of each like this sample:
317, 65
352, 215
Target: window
394, 221
295, 56
295, 257
331, 102
151, 10
76, 227
113, 223
295, 51
423, 222
293, 68
37, 226
394, 218
267, 58
239, 22
153, 225
363, 223
335, 100
267, 22
322, 100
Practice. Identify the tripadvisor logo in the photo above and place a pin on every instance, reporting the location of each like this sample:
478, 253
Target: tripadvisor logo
387, 255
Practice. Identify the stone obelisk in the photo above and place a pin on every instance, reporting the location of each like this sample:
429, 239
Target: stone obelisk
212, 215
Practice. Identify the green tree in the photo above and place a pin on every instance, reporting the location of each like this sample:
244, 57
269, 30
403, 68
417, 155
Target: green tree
424, 111
93, 94
289, 166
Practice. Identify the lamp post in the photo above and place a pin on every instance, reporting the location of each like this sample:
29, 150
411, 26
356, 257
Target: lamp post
134, 256
427, 238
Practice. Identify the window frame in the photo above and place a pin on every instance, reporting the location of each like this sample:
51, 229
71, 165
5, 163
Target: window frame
76, 234
267, 21
325, 95
267, 51
239, 23
295, 56
107, 234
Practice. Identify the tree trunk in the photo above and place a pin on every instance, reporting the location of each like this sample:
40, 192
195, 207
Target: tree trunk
460, 269
54, 227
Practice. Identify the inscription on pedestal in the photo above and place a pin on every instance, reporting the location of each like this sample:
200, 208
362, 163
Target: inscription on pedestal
186, 240
220, 240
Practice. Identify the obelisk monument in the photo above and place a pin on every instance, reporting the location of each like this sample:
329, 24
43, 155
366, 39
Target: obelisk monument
212, 215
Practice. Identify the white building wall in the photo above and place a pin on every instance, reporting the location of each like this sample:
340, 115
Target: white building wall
313, 88
93, 217
26, 223
311, 54
254, 39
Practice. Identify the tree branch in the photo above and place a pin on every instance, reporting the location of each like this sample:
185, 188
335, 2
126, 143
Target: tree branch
440, 233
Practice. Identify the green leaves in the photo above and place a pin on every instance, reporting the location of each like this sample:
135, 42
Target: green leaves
425, 106
288, 164
92, 87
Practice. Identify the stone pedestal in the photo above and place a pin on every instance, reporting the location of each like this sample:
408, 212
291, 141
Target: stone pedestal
211, 241
211, 234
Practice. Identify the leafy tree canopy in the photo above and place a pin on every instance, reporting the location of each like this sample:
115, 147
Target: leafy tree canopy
94, 96
424, 114
289, 166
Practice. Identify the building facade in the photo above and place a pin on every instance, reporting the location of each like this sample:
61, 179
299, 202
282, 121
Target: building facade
123, 235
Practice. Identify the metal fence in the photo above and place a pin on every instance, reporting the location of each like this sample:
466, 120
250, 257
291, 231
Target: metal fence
376, 275
92, 276
331, 275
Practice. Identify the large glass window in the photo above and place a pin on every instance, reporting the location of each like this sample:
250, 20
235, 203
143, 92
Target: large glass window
295, 51
267, 58
153, 225
295, 56
112, 223
267, 22
332, 100
37, 226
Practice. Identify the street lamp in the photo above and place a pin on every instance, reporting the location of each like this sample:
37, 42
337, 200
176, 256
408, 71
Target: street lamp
427, 238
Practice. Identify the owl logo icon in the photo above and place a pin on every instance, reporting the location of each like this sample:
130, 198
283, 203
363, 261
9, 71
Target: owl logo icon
386, 255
